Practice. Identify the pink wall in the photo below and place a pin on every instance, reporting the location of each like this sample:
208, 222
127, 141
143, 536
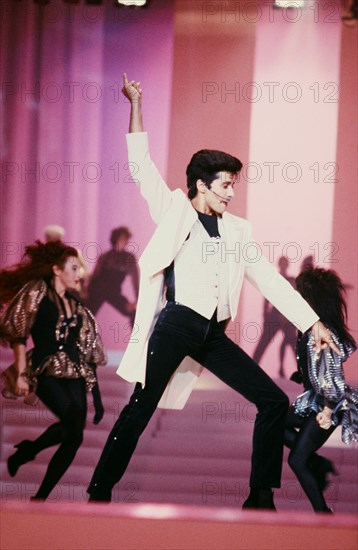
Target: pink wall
293, 144
213, 59
344, 229
64, 114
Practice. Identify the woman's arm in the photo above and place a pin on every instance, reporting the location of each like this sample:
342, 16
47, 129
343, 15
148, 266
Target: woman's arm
22, 384
16, 325
324, 418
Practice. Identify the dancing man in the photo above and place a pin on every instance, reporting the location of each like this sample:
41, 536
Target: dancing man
189, 289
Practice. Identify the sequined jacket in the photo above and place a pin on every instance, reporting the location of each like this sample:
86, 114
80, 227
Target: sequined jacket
64, 347
324, 382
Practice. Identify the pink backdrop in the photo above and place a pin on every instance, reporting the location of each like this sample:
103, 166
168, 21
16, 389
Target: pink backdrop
278, 89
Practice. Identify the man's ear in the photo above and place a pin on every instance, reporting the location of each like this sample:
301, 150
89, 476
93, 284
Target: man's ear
201, 186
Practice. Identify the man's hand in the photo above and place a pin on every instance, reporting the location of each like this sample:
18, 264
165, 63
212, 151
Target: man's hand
323, 338
131, 90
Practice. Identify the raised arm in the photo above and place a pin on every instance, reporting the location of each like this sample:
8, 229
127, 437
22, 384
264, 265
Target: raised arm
131, 90
144, 173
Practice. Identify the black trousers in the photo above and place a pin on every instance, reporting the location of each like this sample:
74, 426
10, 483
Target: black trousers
180, 332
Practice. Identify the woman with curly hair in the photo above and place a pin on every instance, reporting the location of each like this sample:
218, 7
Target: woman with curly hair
36, 301
327, 401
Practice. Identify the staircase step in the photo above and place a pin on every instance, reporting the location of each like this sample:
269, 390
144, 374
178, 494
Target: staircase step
200, 455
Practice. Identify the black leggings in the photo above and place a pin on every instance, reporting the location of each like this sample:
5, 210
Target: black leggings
303, 444
66, 398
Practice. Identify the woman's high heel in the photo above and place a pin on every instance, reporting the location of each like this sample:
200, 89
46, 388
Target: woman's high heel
321, 467
25, 453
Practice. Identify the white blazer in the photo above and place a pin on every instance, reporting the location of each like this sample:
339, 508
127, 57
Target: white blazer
174, 215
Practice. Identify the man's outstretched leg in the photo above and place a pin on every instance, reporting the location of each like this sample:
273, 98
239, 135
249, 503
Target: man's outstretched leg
167, 348
234, 367
120, 445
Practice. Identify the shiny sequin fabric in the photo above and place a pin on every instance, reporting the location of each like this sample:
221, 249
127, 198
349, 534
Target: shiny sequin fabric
20, 314
19, 319
328, 385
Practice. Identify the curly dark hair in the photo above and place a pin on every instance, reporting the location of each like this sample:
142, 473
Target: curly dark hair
325, 292
37, 263
205, 165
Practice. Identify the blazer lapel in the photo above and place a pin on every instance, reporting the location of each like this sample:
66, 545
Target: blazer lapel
169, 235
235, 235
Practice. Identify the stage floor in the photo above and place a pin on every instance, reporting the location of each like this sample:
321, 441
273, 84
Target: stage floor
44, 526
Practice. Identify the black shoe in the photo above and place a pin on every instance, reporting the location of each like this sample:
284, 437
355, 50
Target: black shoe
99, 498
259, 499
327, 510
321, 467
25, 453
97, 494
324, 510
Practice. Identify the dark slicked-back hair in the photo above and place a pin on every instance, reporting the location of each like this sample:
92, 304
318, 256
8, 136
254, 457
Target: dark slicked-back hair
205, 165
325, 292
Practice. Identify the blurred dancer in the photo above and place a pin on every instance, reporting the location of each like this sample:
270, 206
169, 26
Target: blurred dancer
111, 270
54, 233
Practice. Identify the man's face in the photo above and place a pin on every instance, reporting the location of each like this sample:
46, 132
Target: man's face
221, 191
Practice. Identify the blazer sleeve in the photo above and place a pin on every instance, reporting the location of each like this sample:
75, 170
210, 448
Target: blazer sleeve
266, 279
146, 175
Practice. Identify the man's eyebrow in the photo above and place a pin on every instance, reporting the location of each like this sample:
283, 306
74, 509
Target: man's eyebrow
232, 182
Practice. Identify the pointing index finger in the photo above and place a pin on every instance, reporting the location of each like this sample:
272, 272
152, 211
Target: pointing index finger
125, 79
